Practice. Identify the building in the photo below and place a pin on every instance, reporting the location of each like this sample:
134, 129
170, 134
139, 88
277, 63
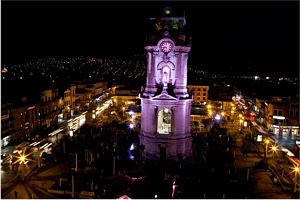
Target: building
7, 125
280, 115
125, 96
50, 107
87, 93
200, 93
166, 104
19, 123
68, 101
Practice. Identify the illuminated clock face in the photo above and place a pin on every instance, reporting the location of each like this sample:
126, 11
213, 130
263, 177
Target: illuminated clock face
166, 47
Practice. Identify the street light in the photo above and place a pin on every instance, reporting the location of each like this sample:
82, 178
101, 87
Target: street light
273, 149
22, 159
266, 150
296, 171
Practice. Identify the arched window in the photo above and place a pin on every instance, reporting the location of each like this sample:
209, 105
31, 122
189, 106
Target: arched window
164, 121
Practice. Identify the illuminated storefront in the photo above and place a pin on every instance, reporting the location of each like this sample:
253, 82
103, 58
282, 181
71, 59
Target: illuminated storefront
284, 130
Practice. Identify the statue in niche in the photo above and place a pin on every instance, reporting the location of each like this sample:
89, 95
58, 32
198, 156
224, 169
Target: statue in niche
164, 121
166, 75
165, 79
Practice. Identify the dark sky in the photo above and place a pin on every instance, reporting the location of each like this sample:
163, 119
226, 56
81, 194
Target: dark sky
255, 36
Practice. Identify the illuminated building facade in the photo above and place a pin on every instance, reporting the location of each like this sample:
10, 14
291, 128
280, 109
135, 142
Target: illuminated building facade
200, 93
166, 104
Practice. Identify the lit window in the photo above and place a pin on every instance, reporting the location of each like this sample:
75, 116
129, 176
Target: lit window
164, 121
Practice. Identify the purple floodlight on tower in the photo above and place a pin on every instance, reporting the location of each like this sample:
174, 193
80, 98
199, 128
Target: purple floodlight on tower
166, 104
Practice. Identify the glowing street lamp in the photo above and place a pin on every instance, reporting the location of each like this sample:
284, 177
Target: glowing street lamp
22, 159
93, 115
217, 117
273, 149
208, 106
296, 171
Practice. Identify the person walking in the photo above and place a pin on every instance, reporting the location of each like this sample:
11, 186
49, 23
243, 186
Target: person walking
16, 194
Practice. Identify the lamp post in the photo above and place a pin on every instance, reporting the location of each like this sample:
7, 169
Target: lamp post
241, 124
22, 160
296, 171
273, 149
266, 150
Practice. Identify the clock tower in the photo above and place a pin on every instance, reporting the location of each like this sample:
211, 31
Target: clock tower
166, 104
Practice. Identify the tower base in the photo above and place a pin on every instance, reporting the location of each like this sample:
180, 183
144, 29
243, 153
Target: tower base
166, 148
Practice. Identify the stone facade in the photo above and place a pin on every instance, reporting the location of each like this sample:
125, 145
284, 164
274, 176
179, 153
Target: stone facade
166, 104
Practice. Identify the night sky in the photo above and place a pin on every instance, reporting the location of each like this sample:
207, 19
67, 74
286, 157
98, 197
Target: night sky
227, 36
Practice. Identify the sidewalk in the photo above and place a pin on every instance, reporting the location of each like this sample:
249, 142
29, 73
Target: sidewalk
37, 184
